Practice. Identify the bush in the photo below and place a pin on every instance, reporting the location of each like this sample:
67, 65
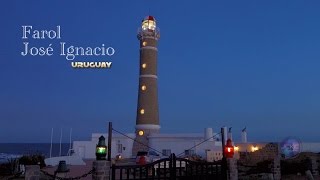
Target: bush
9, 168
32, 160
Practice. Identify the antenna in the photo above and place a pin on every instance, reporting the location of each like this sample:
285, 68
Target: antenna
70, 141
60, 142
51, 142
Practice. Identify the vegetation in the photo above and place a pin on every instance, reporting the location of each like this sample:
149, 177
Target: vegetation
12, 167
9, 168
35, 159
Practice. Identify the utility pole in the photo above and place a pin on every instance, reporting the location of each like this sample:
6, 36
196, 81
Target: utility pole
224, 167
109, 141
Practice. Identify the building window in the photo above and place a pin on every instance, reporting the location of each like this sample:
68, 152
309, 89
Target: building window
119, 147
144, 65
166, 152
189, 152
144, 43
142, 111
143, 88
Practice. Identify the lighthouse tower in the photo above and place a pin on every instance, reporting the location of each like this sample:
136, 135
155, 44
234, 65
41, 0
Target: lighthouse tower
147, 121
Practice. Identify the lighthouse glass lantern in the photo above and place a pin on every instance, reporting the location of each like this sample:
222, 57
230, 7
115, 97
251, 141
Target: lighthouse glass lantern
101, 149
149, 23
229, 149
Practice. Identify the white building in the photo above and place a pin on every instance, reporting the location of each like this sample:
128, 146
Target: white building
180, 144
165, 144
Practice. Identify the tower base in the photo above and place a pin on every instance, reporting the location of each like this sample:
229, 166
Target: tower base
141, 142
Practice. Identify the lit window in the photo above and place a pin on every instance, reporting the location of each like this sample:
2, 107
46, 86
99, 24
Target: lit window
144, 65
140, 133
143, 88
142, 111
144, 43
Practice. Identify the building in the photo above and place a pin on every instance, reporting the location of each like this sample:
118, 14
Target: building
147, 120
163, 144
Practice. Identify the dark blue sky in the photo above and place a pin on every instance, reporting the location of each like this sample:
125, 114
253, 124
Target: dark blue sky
235, 63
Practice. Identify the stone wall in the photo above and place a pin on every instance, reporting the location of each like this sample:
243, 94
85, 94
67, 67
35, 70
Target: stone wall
232, 168
269, 152
32, 172
263, 162
102, 170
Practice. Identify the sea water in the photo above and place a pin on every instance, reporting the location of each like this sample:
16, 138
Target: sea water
14, 150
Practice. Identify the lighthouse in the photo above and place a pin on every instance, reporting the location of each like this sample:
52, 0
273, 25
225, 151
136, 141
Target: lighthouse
147, 119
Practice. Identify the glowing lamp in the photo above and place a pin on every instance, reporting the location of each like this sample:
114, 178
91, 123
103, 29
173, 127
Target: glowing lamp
141, 133
229, 149
118, 157
254, 148
236, 148
101, 149
149, 23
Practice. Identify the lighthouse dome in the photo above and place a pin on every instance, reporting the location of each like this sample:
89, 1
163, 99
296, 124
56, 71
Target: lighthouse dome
151, 18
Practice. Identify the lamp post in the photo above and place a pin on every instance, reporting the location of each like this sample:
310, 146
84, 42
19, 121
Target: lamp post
224, 167
101, 149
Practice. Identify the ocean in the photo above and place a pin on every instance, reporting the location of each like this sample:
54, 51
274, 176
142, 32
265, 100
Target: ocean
14, 150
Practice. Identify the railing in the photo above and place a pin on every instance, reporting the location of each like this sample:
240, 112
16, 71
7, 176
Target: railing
169, 168
149, 33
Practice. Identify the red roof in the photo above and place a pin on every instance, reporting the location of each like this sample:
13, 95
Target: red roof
150, 18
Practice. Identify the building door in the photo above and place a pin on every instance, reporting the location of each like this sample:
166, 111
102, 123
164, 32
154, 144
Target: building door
81, 151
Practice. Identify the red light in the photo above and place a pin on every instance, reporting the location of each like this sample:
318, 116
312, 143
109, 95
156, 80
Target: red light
229, 149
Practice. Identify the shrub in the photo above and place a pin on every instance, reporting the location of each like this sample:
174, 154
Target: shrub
36, 159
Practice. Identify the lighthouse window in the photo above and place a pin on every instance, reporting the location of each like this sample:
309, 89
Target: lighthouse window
144, 43
142, 111
141, 133
143, 88
144, 65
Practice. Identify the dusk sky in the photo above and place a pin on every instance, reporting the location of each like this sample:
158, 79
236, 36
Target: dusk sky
253, 64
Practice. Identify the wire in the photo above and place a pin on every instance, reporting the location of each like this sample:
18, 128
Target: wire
200, 143
137, 141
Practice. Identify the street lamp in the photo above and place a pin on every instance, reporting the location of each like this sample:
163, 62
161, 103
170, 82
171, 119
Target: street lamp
101, 149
